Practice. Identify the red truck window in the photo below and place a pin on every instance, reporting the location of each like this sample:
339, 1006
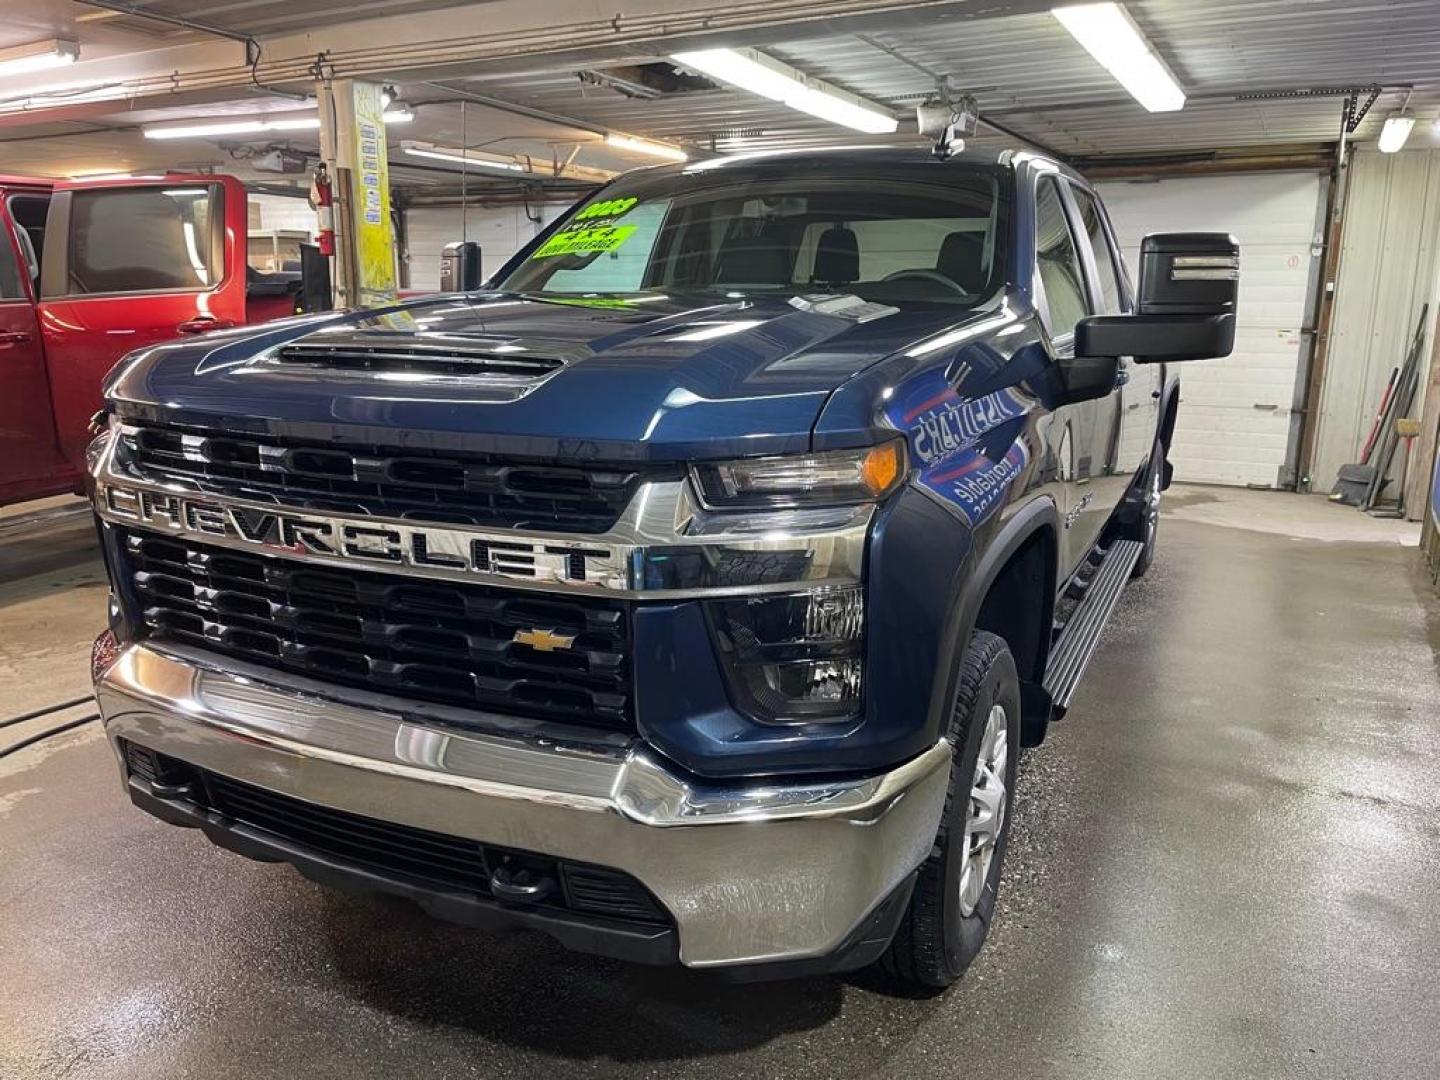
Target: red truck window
11, 282
144, 239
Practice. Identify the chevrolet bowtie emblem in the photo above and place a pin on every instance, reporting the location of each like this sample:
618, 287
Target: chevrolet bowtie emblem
544, 640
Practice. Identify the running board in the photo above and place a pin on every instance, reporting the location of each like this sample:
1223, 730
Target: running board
1071, 653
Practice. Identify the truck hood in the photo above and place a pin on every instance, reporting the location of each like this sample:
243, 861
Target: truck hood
655, 378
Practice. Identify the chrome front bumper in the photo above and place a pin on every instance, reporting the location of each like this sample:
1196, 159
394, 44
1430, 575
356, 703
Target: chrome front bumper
755, 872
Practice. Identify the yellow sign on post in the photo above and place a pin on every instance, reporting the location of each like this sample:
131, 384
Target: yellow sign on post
360, 149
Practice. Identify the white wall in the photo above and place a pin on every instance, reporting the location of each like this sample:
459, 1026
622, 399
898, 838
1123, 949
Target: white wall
1388, 268
282, 212
499, 230
1234, 425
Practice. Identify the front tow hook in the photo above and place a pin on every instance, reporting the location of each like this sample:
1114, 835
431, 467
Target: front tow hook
521, 886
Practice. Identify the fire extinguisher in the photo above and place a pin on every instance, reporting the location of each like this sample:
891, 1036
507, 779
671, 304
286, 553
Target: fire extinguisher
322, 199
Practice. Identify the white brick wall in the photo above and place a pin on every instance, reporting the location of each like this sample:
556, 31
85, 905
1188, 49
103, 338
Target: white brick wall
1234, 422
499, 230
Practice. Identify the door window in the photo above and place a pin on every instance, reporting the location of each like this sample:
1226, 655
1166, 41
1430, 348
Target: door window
143, 239
1107, 267
1057, 261
29, 213
11, 283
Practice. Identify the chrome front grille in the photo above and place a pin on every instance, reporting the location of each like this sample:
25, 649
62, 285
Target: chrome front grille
415, 485
524, 654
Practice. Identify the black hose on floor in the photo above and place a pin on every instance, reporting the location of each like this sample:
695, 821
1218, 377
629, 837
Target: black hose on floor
12, 720
39, 736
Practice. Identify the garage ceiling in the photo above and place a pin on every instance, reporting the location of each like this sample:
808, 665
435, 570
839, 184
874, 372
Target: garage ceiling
1030, 77
1029, 74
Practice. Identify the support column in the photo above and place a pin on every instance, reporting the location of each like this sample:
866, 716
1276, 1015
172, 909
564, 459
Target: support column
352, 144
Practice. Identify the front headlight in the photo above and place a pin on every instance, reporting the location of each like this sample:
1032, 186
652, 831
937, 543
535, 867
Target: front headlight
831, 478
794, 658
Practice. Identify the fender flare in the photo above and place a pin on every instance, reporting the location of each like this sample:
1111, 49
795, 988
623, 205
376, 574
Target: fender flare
976, 576
1168, 400
1169, 413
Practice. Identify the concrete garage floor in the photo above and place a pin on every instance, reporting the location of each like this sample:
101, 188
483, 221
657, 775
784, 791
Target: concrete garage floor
1226, 864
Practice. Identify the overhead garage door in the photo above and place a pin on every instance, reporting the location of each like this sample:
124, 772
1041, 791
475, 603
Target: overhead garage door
1235, 420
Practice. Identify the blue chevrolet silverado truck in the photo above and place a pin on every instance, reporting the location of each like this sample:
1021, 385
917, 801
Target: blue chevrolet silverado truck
687, 593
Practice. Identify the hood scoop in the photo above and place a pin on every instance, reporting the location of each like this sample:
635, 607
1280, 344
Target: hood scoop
407, 356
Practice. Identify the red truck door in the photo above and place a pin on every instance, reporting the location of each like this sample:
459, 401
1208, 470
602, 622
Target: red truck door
131, 263
27, 431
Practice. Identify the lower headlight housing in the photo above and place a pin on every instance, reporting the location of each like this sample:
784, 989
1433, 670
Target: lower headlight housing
795, 658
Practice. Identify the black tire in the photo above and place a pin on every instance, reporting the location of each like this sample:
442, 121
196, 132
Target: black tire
936, 940
1147, 527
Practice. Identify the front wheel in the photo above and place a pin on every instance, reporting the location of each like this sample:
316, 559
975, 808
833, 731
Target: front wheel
954, 898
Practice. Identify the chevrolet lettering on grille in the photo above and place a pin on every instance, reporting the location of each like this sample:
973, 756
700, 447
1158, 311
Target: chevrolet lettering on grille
376, 543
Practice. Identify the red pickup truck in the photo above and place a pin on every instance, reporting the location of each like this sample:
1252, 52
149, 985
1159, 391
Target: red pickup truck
90, 270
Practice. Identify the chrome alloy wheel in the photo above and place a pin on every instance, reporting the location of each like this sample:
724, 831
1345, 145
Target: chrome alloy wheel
986, 815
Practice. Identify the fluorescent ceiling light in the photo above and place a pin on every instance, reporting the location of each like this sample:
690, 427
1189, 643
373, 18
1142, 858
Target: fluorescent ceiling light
460, 157
1109, 35
1394, 133
457, 156
37, 56
646, 146
282, 122
763, 75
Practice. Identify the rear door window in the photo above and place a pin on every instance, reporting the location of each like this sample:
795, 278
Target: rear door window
11, 282
144, 239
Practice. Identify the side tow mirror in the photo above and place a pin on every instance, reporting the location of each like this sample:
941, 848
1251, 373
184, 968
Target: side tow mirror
1188, 287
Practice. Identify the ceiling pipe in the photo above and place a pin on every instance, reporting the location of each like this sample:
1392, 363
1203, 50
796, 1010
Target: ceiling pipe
515, 108
174, 20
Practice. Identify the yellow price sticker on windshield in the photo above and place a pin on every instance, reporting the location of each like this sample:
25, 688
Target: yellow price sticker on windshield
597, 238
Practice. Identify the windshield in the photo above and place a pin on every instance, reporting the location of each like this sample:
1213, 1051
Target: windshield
885, 239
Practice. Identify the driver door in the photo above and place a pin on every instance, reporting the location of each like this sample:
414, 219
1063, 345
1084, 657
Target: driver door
27, 432
1080, 432
1136, 409
131, 263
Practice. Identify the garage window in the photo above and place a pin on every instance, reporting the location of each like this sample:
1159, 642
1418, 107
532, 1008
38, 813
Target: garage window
1058, 263
143, 239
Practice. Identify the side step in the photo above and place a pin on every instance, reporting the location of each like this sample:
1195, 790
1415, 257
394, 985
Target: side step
1071, 653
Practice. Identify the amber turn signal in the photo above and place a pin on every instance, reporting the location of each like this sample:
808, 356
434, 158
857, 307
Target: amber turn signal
880, 468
